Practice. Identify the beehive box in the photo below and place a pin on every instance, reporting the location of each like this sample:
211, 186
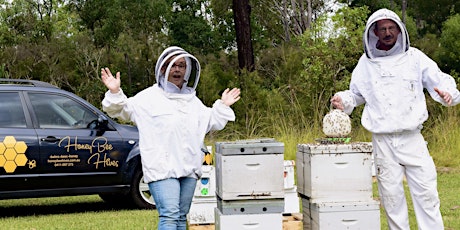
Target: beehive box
251, 206
202, 211
335, 172
250, 169
343, 215
206, 185
272, 221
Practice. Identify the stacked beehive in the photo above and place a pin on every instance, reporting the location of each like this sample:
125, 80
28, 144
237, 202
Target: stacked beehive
291, 199
250, 184
334, 182
204, 200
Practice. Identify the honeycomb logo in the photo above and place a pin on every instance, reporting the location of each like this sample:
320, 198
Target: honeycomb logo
12, 154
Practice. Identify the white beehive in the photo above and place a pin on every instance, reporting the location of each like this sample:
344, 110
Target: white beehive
265, 221
202, 211
204, 200
206, 185
250, 206
351, 215
250, 169
335, 172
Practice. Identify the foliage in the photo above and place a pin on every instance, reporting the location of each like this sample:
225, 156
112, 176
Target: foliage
443, 146
327, 71
68, 42
449, 54
425, 44
371, 4
188, 28
431, 14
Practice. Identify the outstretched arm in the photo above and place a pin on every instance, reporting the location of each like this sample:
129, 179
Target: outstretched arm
111, 82
114, 102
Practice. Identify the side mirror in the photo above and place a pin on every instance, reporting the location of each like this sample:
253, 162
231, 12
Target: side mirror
103, 121
100, 125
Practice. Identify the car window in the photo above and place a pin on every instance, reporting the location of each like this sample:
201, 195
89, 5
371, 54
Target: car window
11, 111
58, 111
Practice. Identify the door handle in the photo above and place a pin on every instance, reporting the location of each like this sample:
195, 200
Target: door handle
50, 139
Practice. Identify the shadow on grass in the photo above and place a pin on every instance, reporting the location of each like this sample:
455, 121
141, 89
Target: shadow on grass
52, 209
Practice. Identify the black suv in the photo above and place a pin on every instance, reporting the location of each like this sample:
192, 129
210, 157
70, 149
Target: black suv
54, 143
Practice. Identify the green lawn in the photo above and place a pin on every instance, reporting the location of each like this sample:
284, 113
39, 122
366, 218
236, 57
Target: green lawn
90, 212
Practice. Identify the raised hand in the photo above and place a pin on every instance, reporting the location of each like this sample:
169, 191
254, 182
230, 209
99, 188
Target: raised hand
111, 82
230, 96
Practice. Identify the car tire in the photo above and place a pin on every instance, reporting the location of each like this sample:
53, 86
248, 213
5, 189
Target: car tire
140, 194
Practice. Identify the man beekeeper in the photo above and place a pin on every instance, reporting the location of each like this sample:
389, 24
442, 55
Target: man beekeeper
389, 79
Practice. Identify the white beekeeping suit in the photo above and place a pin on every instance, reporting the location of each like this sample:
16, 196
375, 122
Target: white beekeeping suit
391, 84
172, 121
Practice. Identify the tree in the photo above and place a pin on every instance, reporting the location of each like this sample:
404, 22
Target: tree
189, 26
32, 44
449, 53
101, 18
330, 58
431, 14
242, 18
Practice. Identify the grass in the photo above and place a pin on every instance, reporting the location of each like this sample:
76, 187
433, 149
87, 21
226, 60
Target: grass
73, 212
90, 212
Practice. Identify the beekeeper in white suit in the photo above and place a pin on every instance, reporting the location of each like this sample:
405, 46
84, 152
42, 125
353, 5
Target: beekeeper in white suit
172, 124
389, 79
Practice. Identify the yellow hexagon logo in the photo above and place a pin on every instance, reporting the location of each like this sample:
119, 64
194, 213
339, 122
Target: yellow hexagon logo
12, 154
10, 166
2, 160
20, 147
2, 148
20, 160
9, 141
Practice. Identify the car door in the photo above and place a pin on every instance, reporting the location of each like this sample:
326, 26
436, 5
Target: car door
72, 154
19, 147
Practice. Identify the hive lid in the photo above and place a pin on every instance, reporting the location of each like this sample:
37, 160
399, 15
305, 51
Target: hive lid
318, 148
251, 146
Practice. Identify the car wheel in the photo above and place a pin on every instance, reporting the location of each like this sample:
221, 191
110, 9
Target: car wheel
140, 193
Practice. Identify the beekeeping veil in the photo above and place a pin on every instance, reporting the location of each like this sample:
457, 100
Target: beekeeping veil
370, 39
192, 71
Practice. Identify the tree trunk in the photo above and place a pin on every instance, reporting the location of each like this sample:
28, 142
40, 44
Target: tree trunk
241, 16
303, 20
285, 19
309, 12
403, 10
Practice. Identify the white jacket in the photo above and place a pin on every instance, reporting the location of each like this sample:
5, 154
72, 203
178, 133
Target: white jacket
172, 127
391, 83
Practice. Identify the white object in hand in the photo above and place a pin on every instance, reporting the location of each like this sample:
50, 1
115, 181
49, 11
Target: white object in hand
336, 123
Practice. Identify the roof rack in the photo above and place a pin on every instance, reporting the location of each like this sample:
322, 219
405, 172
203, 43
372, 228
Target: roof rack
28, 82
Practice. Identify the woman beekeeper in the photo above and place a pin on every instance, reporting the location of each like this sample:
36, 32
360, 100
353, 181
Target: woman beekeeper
172, 124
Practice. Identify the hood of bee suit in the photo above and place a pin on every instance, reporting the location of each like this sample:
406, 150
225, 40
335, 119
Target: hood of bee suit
192, 71
370, 39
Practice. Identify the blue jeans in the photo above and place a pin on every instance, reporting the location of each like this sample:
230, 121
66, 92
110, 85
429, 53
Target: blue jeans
173, 198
